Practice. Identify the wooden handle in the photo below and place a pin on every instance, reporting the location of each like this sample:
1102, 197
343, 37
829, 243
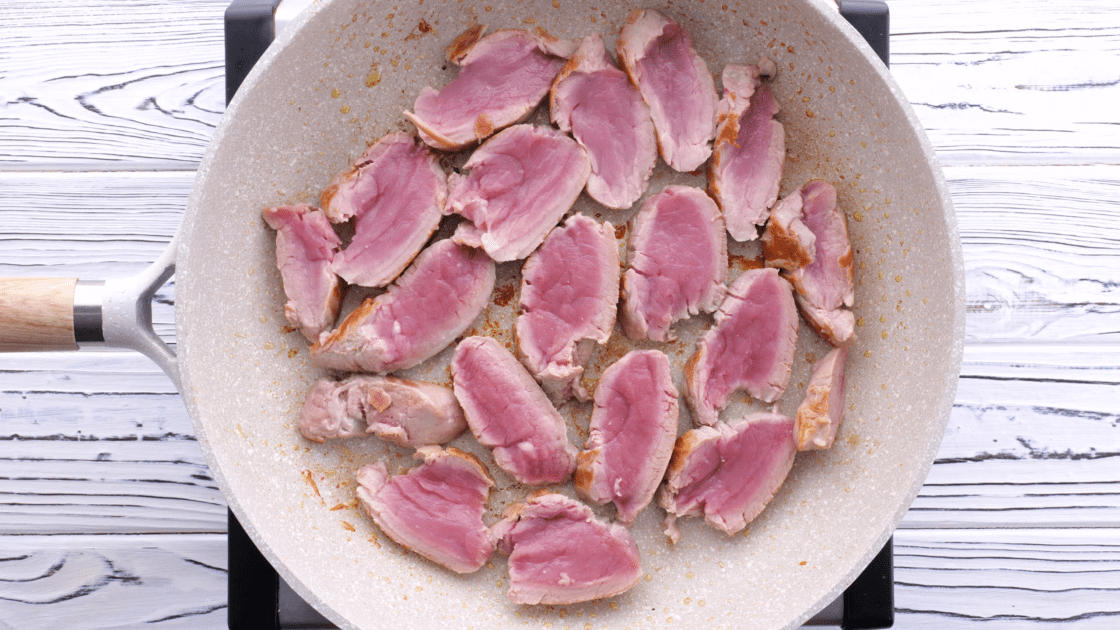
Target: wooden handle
37, 314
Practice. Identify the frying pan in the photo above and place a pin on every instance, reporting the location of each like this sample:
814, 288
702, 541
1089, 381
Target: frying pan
337, 81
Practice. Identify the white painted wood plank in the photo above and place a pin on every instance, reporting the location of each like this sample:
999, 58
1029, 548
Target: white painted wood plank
140, 86
102, 582
1033, 441
1011, 81
1005, 578
110, 84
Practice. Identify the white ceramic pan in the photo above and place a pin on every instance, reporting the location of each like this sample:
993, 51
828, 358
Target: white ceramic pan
337, 80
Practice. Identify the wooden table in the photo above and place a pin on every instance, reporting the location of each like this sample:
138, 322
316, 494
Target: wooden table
110, 518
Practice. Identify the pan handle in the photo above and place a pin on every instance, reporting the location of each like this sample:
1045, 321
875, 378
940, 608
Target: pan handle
48, 314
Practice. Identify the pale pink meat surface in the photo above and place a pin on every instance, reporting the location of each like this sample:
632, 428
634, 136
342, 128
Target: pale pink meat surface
749, 153
676, 84
820, 414
305, 247
430, 304
750, 347
787, 243
633, 428
677, 262
504, 76
509, 412
569, 294
397, 191
434, 509
402, 411
559, 553
825, 289
521, 183
596, 102
728, 472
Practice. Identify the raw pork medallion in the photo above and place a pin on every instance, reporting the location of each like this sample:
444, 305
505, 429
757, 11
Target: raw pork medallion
676, 84
397, 191
729, 472
521, 183
503, 78
433, 302
305, 246
787, 243
677, 262
508, 412
750, 151
819, 415
559, 553
825, 288
435, 509
633, 427
595, 101
569, 293
402, 411
750, 347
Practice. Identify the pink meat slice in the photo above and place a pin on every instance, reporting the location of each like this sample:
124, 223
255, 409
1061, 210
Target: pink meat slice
508, 412
430, 304
633, 428
521, 183
435, 509
676, 84
728, 473
595, 101
569, 293
305, 247
677, 262
787, 243
825, 288
819, 415
402, 411
397, 191
559, 553
749, 152
750, 347
504, 76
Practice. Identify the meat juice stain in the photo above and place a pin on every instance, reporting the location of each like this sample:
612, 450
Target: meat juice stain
504, 294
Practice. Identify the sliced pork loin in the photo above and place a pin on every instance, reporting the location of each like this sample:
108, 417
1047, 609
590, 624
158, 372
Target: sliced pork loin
559, 553
397, 191
676, 84
595, 101
728, 472
750, 347
633, 428
825, 288
569, 294
749, 153
677, 262
434, 509
405, 412
433, 302
787, 243
508, 412
521, 183
306, 245
819, 415
503, 78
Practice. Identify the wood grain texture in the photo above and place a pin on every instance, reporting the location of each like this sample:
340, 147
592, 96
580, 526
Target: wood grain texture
37, 314
93, 582
104, 84
1011, 81
1007, 578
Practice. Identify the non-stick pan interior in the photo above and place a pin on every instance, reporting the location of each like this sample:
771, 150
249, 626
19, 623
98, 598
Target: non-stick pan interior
338, 82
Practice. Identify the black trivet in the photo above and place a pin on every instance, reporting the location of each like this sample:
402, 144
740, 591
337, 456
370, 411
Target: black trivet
260, 600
